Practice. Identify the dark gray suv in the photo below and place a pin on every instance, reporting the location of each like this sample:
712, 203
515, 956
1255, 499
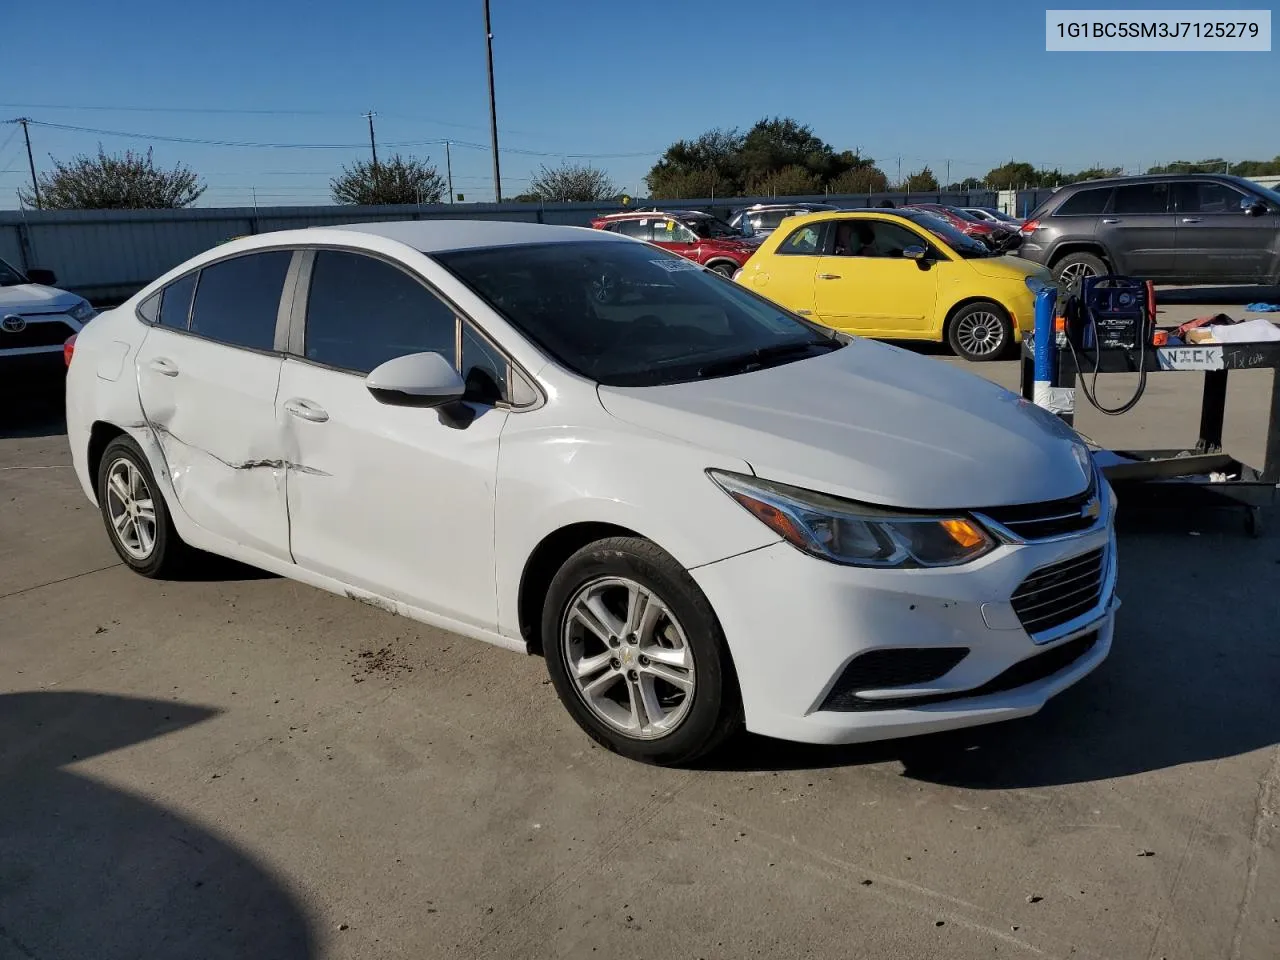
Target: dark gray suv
1192, 228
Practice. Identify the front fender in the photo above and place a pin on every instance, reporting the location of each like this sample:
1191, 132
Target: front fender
553, 477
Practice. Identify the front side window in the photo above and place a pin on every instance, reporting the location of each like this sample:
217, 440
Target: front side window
873, 238
175, 303
362, 311
1201, 196
1138, 198
669, 322
672, 231
237, 300
1086, 203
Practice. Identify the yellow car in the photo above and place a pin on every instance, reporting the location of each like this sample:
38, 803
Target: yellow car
898, 275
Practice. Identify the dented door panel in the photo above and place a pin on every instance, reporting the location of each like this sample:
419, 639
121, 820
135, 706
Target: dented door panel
211, 410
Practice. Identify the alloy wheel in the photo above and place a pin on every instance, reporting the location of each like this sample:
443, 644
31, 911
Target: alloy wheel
628, 657
980, 333
131, 509
1073, 272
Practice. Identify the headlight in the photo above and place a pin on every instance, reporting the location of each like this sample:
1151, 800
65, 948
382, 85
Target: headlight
82, 312
856, 534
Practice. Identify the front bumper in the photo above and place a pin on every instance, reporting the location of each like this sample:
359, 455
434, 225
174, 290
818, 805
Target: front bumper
794, 623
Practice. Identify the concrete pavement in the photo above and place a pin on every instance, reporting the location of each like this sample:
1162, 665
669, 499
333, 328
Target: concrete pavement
241, 766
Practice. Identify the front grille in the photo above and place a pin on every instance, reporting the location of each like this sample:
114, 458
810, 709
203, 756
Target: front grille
1024, 672
881, 669
45, 334
1053, 595
1036, 521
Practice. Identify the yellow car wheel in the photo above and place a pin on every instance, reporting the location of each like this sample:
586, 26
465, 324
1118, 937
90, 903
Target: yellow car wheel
980, 331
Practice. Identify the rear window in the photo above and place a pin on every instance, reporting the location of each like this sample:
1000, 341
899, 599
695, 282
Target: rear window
1139, 198
237, 300
1086, 203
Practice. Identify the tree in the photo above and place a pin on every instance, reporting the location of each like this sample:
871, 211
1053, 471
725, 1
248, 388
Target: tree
712, 159
791, 181
862, 179
1093, 173
964, 186
1241, 168
570, 182
921, 182
128, 181
398, 180
1012, 176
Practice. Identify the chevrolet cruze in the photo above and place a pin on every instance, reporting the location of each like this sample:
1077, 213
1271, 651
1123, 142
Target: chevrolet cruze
703, 511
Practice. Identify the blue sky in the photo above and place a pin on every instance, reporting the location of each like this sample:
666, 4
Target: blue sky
926, 81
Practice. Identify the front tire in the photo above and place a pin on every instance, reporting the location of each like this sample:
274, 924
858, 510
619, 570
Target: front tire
637, 655
135, 514
726, 270
980, 331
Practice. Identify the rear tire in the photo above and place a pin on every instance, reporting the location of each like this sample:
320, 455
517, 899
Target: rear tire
980, 331
1079, 265
726, 270
135, 514
637, 655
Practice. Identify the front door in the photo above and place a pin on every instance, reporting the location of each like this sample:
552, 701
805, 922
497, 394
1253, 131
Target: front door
394, 500
867, 286
1218, 242
207, 378
1140, 231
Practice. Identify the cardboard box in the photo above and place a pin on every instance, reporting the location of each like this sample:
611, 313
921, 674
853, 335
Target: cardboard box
1200, 336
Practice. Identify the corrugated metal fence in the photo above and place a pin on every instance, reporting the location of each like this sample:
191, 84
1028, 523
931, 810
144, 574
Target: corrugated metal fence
107, 255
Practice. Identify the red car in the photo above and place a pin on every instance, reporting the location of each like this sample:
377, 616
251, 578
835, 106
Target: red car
994, 236
699, 236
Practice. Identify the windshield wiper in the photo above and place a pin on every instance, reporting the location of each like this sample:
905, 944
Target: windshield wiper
764, 356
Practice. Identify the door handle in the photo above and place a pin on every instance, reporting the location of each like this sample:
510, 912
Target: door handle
163, 366
306, 410
1190, 219
828, 276
1110, 220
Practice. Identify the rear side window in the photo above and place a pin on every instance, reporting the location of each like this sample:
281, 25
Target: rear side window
175, 302
1086, 203
1207, 197
237, 300
1139, 198
640, 229
362, 311
803, 241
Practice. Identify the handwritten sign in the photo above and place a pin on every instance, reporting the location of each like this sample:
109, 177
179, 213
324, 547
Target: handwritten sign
1190, 358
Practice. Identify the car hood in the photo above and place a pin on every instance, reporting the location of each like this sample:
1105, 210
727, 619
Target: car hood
1009, 267
872, 423
35, 298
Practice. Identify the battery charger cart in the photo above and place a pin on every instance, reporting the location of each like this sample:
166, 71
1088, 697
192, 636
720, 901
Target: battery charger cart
1111, 332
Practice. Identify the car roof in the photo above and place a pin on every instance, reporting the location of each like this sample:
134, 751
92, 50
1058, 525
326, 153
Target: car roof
436, 235
1145, 178
630, 214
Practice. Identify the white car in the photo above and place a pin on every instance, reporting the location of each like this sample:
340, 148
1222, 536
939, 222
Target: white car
995, 217
702, 510
36, 319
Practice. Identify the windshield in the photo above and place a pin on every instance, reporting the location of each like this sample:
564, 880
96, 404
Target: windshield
1271, 196
9, 277
626, 314
711, 228
966, 246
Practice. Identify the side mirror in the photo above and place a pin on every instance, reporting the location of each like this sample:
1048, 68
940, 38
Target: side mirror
416, 380
915, 252
1252, 206
45, 278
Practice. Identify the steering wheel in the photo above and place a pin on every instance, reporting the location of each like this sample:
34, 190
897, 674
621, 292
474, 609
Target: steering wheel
632, 329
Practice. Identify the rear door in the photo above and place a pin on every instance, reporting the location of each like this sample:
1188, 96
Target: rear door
207, 377
1140, 230
1218, 242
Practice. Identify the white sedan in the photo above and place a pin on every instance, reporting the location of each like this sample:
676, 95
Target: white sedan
702, 510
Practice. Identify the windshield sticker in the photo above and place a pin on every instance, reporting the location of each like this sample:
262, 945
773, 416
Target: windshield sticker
673, 264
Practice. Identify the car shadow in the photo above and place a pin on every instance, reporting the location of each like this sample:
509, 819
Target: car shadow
1191, 676
32, 409
91, 870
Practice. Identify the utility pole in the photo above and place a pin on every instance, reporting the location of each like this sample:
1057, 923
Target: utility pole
493, 109
373, 144
448, 166
35, 184
946, 183
899, 173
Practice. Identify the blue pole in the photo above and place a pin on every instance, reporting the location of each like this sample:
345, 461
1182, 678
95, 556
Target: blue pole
1045, 346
